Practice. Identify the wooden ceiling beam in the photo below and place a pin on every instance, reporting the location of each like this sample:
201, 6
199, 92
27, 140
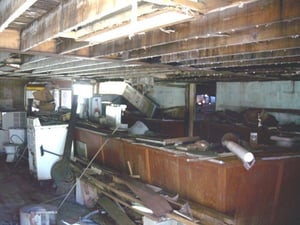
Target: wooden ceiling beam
273, 54
10, 10
203, 7
213, 44
74, 65
245, 63
67, 16
10, 40
250, 48
212, 25
47, 63
86, 68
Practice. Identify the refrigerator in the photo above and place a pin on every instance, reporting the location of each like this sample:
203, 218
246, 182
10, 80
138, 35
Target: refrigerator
52, 140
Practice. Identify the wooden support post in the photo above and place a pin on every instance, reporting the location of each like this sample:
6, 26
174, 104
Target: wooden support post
191, 109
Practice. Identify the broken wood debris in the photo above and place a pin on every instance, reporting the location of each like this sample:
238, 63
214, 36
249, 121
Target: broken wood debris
113, 188
114, 211
168, 141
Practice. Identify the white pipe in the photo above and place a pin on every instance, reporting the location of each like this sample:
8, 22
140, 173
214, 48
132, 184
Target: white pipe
246, 156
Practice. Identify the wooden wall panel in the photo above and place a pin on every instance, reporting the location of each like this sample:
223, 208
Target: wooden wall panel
198, 182
92, 140
287, 204
137, 155
113, 155
164, 169
267, 194
256, 194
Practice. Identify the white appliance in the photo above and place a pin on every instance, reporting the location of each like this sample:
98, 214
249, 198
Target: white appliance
17, 135
52, 139
12, 119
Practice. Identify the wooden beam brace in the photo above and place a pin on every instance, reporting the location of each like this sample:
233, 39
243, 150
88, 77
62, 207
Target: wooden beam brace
10, 10
10, 39
67, 16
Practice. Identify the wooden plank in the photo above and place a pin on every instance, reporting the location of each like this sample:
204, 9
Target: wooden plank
67, 16
47, 62
169, 141
212, 25
125, 198
181, 3
115, 212
255, 207
266, 46
213, 44
74, 65
10, 39
10, 10
242, 58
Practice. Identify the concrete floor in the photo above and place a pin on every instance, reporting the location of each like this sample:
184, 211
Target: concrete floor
18, 188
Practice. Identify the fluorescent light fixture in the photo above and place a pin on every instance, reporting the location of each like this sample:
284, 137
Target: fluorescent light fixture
153, 22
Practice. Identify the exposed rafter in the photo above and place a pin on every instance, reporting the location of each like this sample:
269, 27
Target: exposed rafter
216, 39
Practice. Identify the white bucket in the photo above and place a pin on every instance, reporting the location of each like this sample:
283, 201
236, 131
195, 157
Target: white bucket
11, 151
38, 215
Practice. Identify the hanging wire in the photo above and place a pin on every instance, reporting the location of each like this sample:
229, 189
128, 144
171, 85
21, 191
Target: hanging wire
87, 167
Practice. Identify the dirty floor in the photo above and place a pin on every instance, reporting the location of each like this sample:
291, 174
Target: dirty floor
18, 188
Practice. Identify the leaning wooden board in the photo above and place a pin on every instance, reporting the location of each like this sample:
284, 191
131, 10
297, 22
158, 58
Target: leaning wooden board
168, 141
115, 212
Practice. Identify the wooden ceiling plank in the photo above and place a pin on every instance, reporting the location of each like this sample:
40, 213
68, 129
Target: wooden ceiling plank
201, 6
68, 45
47, 62
210, 27
67, 16
250, 48
70, 65
282, 53
10, 10
263, 34
191, 29
125, 74
82, 69
249, 62
113, 66
121, 19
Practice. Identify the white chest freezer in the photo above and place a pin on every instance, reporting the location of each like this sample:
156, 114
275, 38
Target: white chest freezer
51, 138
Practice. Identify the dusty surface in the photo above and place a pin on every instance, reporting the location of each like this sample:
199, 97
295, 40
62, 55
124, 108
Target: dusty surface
18, 188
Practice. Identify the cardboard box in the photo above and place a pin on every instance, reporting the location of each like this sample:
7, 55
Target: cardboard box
43, 95
46, 106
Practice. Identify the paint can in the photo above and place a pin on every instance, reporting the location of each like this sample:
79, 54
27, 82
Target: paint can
38, 215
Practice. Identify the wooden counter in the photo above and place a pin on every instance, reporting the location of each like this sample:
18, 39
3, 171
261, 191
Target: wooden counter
265, 194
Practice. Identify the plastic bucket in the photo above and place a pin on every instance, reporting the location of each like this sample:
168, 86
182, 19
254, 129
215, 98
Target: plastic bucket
11, 151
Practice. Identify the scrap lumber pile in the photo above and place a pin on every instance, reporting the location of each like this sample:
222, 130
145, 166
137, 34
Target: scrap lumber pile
144, 199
